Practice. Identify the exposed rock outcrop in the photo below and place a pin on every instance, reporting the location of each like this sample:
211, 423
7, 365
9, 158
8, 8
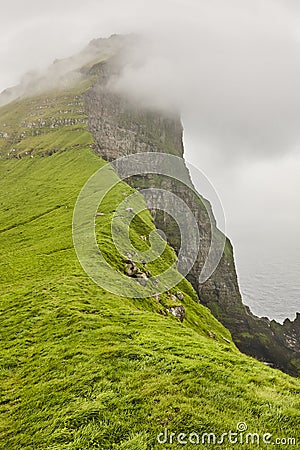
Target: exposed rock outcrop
178, 312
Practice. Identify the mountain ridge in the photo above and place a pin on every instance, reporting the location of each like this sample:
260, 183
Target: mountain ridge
119, 127
84, 368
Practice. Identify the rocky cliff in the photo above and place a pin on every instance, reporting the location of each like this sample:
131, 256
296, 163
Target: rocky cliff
121, 128
42, 124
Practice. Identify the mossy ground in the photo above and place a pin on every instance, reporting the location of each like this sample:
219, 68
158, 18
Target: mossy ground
82, 368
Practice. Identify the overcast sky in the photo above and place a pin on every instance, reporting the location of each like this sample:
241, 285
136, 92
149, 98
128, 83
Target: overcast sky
232, 67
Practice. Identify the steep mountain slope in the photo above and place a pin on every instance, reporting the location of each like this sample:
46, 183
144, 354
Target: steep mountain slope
121, 128
82, 368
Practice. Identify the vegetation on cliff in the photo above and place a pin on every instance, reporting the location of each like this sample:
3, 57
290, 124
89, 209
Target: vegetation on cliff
82, 368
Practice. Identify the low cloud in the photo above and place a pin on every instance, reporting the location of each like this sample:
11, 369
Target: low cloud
232, 68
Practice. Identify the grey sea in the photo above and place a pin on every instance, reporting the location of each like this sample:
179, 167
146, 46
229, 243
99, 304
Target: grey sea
270, 283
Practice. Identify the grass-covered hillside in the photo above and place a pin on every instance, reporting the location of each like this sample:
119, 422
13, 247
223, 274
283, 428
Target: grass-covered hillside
82, 368
44, 124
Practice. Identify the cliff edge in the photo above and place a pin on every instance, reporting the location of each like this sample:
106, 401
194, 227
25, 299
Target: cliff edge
44, 124
120, 128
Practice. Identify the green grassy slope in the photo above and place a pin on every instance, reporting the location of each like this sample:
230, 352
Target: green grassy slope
42, 125
82, 368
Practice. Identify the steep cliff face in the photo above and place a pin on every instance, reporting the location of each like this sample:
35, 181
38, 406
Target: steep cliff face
121, 128
51, 123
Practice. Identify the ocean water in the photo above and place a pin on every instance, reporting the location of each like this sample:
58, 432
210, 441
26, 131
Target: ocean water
270, 283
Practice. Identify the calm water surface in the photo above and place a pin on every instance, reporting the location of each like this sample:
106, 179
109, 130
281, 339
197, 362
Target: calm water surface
270, 284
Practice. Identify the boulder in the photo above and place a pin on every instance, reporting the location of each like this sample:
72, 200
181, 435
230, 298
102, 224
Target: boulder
178, 312
180, 296
157, 297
